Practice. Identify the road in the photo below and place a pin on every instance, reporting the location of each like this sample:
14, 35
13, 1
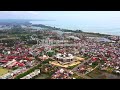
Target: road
79, 74
74, 69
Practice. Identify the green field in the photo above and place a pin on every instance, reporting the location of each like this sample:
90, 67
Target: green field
3, 71
76, 76
95, 73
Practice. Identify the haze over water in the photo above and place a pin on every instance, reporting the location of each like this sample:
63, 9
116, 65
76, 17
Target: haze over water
105, 28
91, 21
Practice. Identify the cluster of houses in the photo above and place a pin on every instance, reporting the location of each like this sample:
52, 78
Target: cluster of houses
113, 37
62, 74
84, 69
88, 66
31, 75
16, 56
111, 66
10, 75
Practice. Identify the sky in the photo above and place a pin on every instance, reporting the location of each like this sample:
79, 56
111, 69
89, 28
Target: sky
61, 15
93, 17
106, 21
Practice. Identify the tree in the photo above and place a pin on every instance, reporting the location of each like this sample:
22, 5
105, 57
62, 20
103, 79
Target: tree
50, 54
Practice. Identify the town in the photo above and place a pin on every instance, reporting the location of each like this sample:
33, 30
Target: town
31, 51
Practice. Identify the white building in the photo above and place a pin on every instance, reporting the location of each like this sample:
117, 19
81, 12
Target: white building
64, 57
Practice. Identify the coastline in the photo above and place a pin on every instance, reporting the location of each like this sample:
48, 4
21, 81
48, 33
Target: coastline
112, 31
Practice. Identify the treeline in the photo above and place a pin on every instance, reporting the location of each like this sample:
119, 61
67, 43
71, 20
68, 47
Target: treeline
98, 34
3, 31
74, 31
8, 42
31, 42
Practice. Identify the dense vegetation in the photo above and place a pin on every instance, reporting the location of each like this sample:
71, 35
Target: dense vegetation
98, 34
8, 42
74, 31
50, 54
17, 30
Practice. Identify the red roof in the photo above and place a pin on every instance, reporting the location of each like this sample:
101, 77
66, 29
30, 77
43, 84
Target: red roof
26, 58
94, 58
21, 64
1, 54
14, 64
10, 57
4, 61
18, 57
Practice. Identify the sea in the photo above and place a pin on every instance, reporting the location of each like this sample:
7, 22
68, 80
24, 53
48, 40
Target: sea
96, 27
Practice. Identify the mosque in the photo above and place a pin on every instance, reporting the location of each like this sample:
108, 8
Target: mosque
64, 58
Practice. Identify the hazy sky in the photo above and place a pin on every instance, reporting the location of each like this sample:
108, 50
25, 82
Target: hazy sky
61, 15
93, 17
97, 21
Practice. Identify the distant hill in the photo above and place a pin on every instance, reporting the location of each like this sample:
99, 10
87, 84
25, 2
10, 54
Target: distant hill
13, 21
17, 21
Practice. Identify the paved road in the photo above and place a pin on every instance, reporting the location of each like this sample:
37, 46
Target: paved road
79, 74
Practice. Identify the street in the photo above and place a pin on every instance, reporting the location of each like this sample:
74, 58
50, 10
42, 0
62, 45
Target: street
79, 74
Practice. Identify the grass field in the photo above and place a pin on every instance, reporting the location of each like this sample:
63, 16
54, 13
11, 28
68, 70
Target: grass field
94, 73
76, 76
3, 71
97, 74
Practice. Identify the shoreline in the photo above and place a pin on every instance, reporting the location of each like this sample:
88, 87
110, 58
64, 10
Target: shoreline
86, 31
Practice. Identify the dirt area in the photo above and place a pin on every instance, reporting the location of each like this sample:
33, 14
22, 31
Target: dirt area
3, 71
98, 74
65, 66
42, 76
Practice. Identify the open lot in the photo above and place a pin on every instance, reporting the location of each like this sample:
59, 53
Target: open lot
65, 66
42, 76
98, 74
3, 71
95, 73
76, 76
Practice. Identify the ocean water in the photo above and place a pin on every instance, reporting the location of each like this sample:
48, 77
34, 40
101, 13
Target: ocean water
112, 28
